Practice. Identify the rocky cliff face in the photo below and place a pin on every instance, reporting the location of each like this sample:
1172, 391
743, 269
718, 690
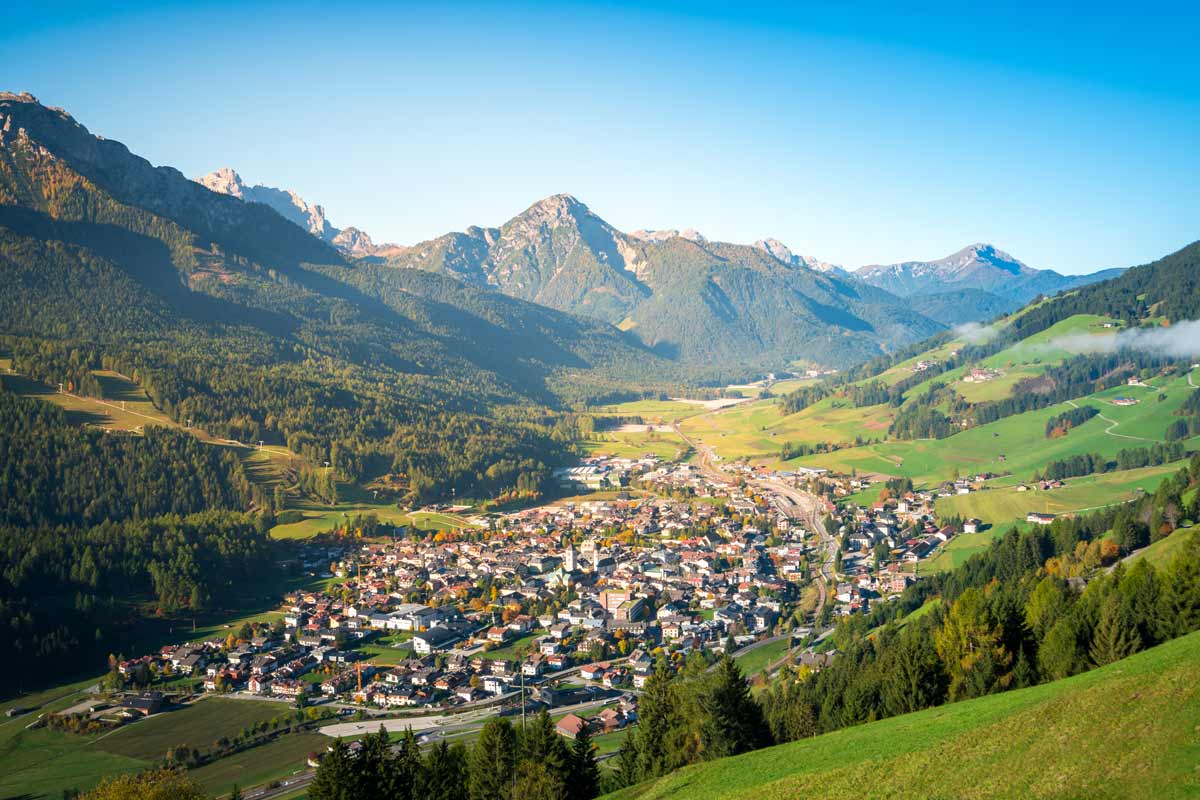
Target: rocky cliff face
286, 203
294, 208
51, 163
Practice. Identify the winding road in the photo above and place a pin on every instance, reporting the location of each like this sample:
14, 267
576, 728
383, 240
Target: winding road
1113, 423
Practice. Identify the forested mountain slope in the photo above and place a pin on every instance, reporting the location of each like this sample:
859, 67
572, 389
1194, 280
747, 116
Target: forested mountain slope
93, 524
241, 321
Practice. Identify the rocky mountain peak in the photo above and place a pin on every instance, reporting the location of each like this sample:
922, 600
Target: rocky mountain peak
311, 217
777, 249
224, 181
691, 234
556, 208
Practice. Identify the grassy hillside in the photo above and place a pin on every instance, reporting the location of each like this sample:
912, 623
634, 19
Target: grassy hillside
1127, 730
1021, 439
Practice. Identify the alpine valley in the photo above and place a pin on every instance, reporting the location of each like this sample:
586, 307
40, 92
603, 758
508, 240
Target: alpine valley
553, 510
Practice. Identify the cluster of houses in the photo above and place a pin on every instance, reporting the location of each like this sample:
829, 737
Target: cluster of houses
601, 588
678, 562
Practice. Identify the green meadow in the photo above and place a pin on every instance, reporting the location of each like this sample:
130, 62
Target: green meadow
1020, 439
41, 763
1079, 494
1127, 730
667, 445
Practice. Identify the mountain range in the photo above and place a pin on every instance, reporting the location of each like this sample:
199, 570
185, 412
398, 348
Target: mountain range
977, 268
674, 289
688, 298
718, 310
101, 248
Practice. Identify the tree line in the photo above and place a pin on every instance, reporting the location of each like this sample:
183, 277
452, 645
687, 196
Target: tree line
1060, 424
1127, 458
505, 763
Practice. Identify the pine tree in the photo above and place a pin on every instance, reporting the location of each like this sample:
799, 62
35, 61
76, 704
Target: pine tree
335, 778
445, 773
1063, 653
1115, 636
627, 771
235, 793
733, 720
583, 782
407, 774
913, 677
541, 743
493, 761
657, 718
373, 767
1142, 591
1181, 590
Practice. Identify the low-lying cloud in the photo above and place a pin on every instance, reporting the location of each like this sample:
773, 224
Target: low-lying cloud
974, 333
1177, 341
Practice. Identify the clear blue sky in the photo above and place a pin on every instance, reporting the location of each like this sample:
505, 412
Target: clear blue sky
854, 132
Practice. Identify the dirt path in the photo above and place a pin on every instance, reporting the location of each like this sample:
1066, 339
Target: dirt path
1113, 423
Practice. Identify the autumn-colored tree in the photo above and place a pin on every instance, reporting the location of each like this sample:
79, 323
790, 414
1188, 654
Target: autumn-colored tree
166, 784
971, 647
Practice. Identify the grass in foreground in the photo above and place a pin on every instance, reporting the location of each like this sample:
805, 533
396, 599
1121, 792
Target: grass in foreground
1127, 730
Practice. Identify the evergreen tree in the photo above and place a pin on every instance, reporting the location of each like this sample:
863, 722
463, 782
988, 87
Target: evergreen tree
1142, 593
535, 781
541, 743
913, 676
373, 766
628, 763
235, 793
1063, 652
1116, 635
445, 773
789, 711
657, 718
407, 773
1181, 590
733, 720
583, 782
335, 778
493, 761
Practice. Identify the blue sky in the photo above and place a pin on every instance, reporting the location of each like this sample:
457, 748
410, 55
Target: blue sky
853, 132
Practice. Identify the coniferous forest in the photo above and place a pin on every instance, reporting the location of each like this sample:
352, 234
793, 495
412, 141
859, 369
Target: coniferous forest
92, 524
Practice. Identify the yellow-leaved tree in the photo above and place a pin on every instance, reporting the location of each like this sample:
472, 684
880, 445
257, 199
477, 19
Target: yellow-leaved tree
164, 784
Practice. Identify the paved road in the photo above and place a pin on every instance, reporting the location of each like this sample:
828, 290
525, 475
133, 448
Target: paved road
286, 786
438, 722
